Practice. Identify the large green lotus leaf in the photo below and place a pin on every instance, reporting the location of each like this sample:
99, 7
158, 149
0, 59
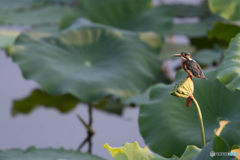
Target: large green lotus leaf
195, 29
144, 97
229, 71
63, 103
224, 31
132, 151
43, 31
207, 56
109, 12
180, 10
13, 5
236, 149
47, 14
133, 15
90, 61
208, 43
191, 30
45, 154
62, 2
167, 127
137, 99
7, 37
218, 144
110, 105
227, 9
231, 132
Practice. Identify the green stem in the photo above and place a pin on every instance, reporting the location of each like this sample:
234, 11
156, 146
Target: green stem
201, 121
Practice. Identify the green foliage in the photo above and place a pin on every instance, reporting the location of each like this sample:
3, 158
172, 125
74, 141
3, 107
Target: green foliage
45, 154
90, 61
138, 99
235, 149
217, 144
132, 151
163, 120
207, 56
110, 105
224, 31
62, 2
191, 151
196, 29
48, 14
7, 37
34, 15
226, 9
141, 16
63, 103
109, 12
132, 15
193, 30
108, 60
13, 5
228, 71
179, 10
44, 15
43, 31
206, 43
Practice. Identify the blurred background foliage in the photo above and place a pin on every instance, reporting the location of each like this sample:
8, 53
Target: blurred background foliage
110, 54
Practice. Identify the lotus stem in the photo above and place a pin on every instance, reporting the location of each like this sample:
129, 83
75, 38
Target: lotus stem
201, 121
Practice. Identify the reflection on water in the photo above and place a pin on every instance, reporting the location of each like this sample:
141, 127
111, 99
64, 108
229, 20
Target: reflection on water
48, 128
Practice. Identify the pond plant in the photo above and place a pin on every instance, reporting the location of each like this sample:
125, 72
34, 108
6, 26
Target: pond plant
110, 56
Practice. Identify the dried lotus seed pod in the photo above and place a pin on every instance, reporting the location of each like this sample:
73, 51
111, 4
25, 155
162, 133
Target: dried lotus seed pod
183, 89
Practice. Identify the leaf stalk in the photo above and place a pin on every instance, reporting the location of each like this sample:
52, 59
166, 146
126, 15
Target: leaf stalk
201, 121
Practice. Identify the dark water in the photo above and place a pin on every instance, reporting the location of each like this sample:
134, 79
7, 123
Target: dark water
48, 128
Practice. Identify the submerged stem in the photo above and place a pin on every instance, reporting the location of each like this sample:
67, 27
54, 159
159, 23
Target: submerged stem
200, 120
89, 130
90, 134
